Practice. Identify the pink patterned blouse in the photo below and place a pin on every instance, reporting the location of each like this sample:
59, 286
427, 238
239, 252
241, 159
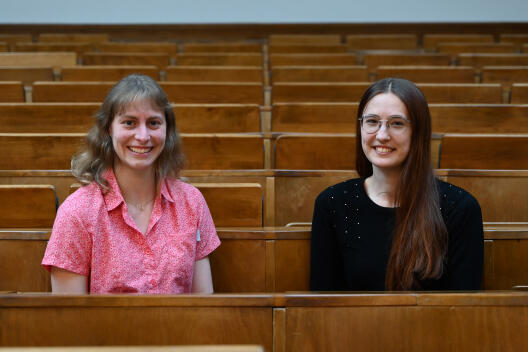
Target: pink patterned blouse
93, 235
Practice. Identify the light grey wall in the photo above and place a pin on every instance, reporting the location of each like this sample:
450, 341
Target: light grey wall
261, 11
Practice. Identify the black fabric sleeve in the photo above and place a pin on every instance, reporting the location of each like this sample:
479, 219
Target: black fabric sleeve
326, 268
465, 255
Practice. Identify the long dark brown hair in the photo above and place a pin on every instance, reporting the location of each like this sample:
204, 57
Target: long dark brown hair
419, 240
98, 153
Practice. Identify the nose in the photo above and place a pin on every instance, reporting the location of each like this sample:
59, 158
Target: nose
383, 133
142, 133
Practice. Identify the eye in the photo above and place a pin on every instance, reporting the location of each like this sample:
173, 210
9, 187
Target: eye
397, 123
155, 123
128, 123
371, 121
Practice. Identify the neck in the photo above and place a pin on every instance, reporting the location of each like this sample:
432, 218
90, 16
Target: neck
137, 187
381, 186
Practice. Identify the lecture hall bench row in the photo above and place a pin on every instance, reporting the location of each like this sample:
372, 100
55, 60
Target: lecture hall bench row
256, 93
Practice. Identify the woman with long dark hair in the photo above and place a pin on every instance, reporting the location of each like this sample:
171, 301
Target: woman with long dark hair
396, 227
133, 226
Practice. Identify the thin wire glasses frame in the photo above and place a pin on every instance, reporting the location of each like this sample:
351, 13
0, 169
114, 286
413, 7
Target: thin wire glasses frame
372, 124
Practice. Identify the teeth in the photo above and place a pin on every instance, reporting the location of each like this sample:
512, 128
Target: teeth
140, 150
383, 149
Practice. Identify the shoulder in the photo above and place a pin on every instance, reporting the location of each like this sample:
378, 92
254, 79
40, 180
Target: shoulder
84, 200
340, 191
457, 205
183, 192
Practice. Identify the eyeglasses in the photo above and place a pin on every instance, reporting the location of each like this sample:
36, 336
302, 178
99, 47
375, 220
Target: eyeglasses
372, 124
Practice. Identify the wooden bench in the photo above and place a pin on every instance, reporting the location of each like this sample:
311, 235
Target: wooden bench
489, 152
27, 206
189, 348
373, 60
307, 49
222, 47
505, 75
77, 47
347, 59
38, 59
352, 92
217, 118
72, 92
138, 47
480, 60
517, 39
215, 74
219, 59
47, 117
4, 47
12, 92
312, 39
382, 42
319, 74
73, 37
12, 39
519, 93
214, 92
429, 74
481, 48
431, 41
105, 73
26, 75
160, 60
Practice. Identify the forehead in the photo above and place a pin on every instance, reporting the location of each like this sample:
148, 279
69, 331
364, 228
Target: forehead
385, 104
140, 106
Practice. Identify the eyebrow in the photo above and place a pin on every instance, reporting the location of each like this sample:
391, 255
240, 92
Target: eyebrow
391, 116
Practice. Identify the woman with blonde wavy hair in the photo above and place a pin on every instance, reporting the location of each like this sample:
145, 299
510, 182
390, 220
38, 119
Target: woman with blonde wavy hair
133, 226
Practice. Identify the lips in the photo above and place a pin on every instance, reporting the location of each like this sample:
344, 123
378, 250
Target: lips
141, 150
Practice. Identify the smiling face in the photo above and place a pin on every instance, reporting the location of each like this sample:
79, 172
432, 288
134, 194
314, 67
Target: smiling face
138, 135
386, 149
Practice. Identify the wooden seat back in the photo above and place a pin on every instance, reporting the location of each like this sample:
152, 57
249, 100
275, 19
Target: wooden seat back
373, 60
518, 39
288, 92
138, 47
519, 93
49, 59
431, 41
480, 60
382, 42
217, 118
77, 47
70, 92
12, 39
505, 75
27, 206
11, 92
488, 152
73, 37
312, 39
462, 93
482, 48
26, 75
429, 74
105, 73
222, 47
4, 47
319, 74
160, 60
215, 74
219, 59
346, 59
214, 92
307, 49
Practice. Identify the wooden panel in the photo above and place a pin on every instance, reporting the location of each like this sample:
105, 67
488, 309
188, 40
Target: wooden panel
20, 267
28, 206
47, 118
319, 74
215, 74
389, 59
312, 59
496, 152
496, 191
519, 93
38, 59
12, 92
73, 92
382, 41
193, 348
430, 41
458, 48
307, 49
223, 59
292, 265
428, 74
26, 75
11, 39
295, 193
239, 265
314, 117
312, 39
76, 47
155, 320
222, 118
317, 92
73, 37
483, 118
138, 47
223, 152
524, 49
233, 204
4, 47
509, 264
505, 75
219, 47
38, 151
156, 59
105, 73
315, 152
214, 92
515, 38
462, 93
479, 60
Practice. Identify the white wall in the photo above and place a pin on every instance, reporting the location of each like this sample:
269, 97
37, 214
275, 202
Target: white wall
261, 11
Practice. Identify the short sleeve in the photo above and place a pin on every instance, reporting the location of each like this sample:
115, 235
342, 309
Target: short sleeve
208, 240
70, 244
